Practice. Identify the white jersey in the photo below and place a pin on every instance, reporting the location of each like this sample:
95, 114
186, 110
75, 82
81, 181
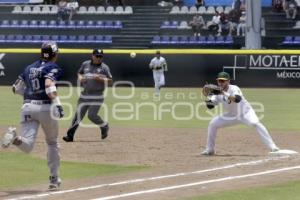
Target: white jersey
231, 107
158, 64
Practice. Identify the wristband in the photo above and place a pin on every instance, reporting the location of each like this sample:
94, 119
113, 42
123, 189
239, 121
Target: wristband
56, 101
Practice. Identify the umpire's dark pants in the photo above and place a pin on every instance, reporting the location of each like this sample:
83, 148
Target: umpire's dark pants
84, 105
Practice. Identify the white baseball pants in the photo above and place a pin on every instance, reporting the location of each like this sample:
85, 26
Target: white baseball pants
159, 80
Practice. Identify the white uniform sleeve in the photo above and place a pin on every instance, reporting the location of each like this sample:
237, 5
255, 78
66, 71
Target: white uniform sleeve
151, 65
236, 91
164, 64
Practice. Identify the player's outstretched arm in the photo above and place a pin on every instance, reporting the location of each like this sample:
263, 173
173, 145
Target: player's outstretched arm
233, 98
104, 79
19, 87
51, 91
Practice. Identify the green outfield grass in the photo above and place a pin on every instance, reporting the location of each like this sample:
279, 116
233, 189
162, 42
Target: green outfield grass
281, 107
19, 169
286, 191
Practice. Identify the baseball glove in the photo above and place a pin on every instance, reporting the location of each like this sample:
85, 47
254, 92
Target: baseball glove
211, 89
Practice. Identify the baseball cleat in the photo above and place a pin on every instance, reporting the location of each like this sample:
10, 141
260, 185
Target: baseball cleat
55, 182
68, 138
207, 152
9, 137
104, 131
276, 149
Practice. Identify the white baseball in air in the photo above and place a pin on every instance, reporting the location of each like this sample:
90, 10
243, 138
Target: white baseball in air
132, 54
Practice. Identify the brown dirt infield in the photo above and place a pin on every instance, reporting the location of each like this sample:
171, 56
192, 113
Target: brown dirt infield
167, 151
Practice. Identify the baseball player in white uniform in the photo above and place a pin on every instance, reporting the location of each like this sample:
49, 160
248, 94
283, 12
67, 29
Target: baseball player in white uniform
238, 111
158, 65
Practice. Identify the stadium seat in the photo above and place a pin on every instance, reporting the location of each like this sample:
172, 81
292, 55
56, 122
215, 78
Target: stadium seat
73, 39
128, 10
99, 24
193, 10
119, 10
220, 9
52, 24
90, 38
28, 38
107, 39
45, 10
174, 39
91, 10
156, 40
24, 24
80, 24
100, 10
228, 40
99, 39
202, 10
27, 10
166, 24
109, 24
202, 40
43, 24
165, 39
193, 40
2, 38
10, 38
183, 39
45, 38
227, 9
82, 10
17, 10
297, 26
33, 24
62, 24
36, 10
81, 38
220, 40
174, 24
296, 40
118, 24
71, 24
110, 10
36, 38
63, 39
14, 24
90, 24
54, 38
19, 38
184, 10
5, 24
175, 10
210, 10
54, 10
184, 25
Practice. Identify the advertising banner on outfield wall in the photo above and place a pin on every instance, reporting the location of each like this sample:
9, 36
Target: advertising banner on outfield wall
184, 70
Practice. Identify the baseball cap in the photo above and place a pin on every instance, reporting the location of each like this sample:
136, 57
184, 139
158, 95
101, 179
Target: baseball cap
158, 52
98, 52
223, 76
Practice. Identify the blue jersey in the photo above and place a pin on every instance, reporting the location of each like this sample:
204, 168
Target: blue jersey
34, 77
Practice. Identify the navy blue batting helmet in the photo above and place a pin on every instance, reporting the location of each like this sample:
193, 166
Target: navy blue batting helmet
49, 50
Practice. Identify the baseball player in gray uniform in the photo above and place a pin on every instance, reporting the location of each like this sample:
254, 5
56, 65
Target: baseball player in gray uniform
94, 76
41, 107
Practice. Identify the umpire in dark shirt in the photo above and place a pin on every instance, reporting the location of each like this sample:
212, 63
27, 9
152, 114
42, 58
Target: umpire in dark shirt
93, 75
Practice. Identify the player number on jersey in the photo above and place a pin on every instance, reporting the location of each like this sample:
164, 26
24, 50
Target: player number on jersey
35, 84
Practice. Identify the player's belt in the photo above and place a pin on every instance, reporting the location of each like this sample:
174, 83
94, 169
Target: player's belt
37, 102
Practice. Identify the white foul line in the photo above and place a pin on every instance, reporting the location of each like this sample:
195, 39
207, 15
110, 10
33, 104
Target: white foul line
256, 162
198, 183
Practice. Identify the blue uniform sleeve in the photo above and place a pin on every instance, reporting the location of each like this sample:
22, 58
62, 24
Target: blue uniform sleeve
53, 72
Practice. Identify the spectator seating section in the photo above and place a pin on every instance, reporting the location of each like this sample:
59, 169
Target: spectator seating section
291, 41
21, 1
43, 24
175, 25
92, 10
68, 39
201, 10
193, 40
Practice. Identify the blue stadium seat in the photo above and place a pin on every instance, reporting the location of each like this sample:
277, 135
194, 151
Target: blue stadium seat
46, 38
71, 24
81, 38
90, 39
62, 24
33, 24
43, 24
99, 39
14, 24
5, 24
202, 40
118, 24
174, 24
156, 40
37, 38
80, 24
296, 40
165, 39
228, 40
166, 24
174, 40
24, 24
63, 39
288, 40
109, 24
28, 38
90, 24
193, 40
10, 38
183, 40
52, 24
2, 38
108, 39
99, 24
210, 40
19, 38
220, 40
54, 38
73, 39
